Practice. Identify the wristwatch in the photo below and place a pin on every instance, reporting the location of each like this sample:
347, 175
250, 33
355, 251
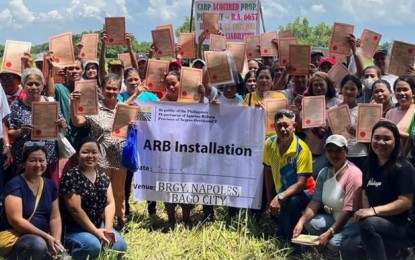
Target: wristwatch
281, 196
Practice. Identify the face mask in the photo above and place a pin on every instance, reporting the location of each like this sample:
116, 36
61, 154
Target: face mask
368, 83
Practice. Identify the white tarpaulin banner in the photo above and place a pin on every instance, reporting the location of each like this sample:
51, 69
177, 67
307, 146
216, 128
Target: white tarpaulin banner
237, 18
200, 154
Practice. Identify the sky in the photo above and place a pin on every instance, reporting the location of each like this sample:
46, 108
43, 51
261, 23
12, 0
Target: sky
36, 20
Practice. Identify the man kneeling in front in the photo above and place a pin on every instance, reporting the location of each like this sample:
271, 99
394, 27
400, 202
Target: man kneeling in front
287, 170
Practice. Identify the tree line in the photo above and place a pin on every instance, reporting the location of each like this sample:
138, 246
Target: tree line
316, 36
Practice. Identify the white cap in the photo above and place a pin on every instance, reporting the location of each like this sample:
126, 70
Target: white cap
338, 140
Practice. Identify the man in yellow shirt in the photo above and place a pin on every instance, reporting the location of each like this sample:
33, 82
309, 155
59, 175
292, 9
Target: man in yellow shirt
287, 170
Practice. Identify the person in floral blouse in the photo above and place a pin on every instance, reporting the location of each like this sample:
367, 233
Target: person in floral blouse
88, 207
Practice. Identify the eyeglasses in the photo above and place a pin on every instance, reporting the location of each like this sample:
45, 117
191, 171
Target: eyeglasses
285, 113
32, 143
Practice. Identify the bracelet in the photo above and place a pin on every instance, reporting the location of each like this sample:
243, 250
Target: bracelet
374, 211
332, 231
7, 145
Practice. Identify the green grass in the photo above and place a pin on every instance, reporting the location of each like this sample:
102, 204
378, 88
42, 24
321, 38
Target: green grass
241, 237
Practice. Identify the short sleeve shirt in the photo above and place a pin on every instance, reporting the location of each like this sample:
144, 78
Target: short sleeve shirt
19, 188
93, 195
100, 128
286, 168
144, 96
350, 181
22, 114
386, 185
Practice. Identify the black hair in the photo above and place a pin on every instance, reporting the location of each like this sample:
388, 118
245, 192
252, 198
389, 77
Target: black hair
111, 77
173, 73
373, 67
353, 79
28, 150
128, 71
407, 79
395, 154
87, 140
284, 113
382, 81
271, 71
331, 90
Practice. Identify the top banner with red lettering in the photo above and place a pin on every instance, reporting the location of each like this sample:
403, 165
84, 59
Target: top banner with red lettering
237, 19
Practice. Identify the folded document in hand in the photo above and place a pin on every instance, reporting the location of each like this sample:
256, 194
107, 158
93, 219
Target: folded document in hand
307, 240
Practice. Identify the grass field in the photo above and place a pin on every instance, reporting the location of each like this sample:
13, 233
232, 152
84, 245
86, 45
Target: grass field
241, 237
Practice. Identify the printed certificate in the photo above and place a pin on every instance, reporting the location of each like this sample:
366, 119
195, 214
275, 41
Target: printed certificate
115, 29
126, 58
402, 55
369, 43
211, 22
123, 116
337, 73
190, 79
187, 45
88, 103
44, 116
285, 34
267, 48
155, 74
307, 240
253, 45
13, 52
314, 111
170, 27
272, 106
62, 48
89, 49
300, 59
367, 116
163, 42
338, 42
284, 49
218, 67
217, 42
238, 50
339, 120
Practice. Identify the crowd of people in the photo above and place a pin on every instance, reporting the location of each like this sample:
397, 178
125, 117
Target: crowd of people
356, 197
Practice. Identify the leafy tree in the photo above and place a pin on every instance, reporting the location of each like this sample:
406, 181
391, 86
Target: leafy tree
317, 36
385, 46
185, 26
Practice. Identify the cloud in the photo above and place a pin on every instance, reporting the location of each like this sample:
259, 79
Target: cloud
385, 12
318, 8
165, 10
271, 8
20, 12
50, 16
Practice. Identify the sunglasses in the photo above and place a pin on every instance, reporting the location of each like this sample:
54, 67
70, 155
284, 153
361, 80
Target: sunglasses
32, 143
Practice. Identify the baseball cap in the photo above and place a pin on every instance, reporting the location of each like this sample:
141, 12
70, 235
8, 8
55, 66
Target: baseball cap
116, 62
89, 62
316, 51
198, 60
380, 51
337, 140
177, 62
39, 56
142, 57
330, 60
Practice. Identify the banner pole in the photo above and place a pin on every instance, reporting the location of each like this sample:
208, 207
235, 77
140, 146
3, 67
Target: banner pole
191, 16
262, 15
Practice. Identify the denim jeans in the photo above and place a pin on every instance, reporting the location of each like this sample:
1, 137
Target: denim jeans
377, 237
30, 246
84, 245
322, 222
291, 211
